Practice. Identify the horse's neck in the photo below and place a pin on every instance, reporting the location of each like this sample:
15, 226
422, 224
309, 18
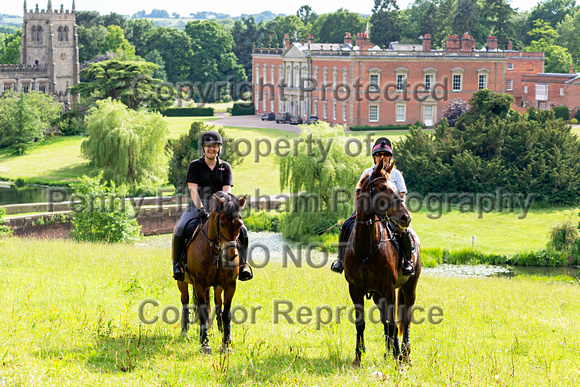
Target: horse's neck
362, 241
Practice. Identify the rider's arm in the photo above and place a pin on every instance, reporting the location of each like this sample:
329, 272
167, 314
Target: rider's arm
195, 195
227, 188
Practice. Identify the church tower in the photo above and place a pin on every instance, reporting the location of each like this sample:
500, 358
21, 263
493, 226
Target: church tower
49, 40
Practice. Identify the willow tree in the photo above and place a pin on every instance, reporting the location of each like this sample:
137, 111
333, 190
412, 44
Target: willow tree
321, 181
127, 145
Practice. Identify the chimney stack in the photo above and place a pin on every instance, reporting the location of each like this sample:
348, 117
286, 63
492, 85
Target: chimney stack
467, 42
302, 41
510, 46
491, 43
310, 38
571, 69
348, 38
426, 42
452, 43
286, 42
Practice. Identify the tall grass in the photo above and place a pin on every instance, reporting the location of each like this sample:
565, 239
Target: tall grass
69, 317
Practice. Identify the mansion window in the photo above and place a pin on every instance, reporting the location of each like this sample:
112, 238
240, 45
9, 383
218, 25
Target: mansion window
456, 82
374, 82
334, 111
325, 110
401, 82
428, 81
344, 112
510, 85
373, 113
400, 113
510, 66
482, 84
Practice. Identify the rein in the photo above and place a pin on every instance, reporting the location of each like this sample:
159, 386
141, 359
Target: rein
215, 246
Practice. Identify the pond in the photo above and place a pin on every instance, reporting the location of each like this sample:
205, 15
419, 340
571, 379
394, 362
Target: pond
28, 194
268, 247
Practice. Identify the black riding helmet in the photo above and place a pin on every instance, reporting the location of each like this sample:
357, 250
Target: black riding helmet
383, 144
211, 137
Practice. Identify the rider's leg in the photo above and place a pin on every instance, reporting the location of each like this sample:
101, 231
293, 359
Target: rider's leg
177, 252
338, 265
245, 269
404, 238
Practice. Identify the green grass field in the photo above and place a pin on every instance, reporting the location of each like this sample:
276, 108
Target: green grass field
70, 317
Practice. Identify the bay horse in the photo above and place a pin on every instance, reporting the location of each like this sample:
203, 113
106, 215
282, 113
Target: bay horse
212, 261
371, 261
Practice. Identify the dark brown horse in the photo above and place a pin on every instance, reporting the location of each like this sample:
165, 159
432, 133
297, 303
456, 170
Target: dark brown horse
212, 261
372, 261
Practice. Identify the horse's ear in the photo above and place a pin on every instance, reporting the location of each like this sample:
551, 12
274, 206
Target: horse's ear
219, 200
243, 201
390, 166
377, 171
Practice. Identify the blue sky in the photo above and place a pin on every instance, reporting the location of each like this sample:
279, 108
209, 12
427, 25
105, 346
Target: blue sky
232, 7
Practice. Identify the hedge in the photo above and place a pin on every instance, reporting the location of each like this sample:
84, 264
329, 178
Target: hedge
380, 127
189, 112
562, 112
243, 109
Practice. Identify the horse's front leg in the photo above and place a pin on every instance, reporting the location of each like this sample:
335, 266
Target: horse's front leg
359, 305
183, 288
406, 303
202, 310
229, 291
387, 307
217, 297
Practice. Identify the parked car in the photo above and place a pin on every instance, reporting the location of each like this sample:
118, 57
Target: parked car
268, 116
312, 120
282, 117
295, 120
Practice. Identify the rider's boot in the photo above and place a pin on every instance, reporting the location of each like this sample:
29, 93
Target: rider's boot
178, 274
338, 265
407, 253
245, 272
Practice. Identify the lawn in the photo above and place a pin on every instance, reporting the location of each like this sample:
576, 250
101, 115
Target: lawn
79, 326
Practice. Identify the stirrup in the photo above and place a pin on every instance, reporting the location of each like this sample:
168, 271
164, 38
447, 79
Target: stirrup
178, 273
337, 266
248, 274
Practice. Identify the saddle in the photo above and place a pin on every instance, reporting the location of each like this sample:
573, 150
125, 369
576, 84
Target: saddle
190, 232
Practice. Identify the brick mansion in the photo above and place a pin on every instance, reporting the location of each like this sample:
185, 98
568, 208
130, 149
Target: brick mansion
48, 54
363, 84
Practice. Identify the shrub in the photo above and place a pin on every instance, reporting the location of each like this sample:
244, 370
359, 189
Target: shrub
20, 182
577, 115
189, 112
563, 236
72, 123
4, 230
380, 127
455, 109
243, 109
562, 112
263, 221
103, 215
573, 121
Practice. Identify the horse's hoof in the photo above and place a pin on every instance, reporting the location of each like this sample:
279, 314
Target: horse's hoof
356, 362
184, 335
206, 350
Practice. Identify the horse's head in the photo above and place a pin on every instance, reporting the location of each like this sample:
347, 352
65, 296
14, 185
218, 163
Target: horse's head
384, 197
229, 220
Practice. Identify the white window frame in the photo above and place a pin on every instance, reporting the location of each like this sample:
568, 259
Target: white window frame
272, 105
334, 77
481, 81
344, 111
542, 91
429, 81
272, 74
345, 76
257, 74
526, 89
510, 85
264, 101
265, 73
398, 116
401, 82
457, 71
257, 100
374, 108
325, 110
561, 91
510, 66
315, 76
334, 115
325, 76
316, 107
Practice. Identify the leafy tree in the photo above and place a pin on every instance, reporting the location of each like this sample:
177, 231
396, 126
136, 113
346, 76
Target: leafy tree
132, 83
558, 59
115, 42
24, 118
188, 148
176, 51
306, 14
333, 27
245, 34
141, 31
385, 22
212, 59
569, 36
91, 41
551, 12
11, 52
455, 108
4, 230
305, 175
155, 57
496, 18
486, 105
432, 17
465, 19
88, 19
102, 215
127, 145
159, 14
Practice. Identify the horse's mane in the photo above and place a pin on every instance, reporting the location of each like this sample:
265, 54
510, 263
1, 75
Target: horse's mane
231, 205
363, 184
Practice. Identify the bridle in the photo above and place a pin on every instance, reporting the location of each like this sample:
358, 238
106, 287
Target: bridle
216, 246
374, 193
